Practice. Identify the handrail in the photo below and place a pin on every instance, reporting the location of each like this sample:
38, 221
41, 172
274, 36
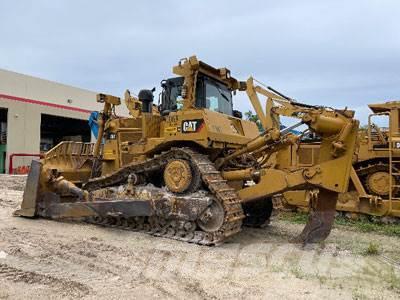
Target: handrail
10, 166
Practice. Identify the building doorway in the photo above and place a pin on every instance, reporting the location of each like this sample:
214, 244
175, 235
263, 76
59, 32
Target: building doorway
55, 129
3, 138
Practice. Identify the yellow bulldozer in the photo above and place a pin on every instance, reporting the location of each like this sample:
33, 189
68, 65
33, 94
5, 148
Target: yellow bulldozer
188, 167
375, 175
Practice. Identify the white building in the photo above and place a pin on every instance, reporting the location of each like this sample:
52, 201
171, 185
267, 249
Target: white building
36, 114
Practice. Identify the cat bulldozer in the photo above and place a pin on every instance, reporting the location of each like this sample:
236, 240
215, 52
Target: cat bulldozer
188, 167
375, 175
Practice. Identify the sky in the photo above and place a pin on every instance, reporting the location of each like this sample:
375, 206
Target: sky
334, 53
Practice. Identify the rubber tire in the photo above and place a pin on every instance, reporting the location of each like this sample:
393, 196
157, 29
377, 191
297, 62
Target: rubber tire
257, 213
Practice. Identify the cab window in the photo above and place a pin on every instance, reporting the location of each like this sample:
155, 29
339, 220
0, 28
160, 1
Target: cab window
218, 98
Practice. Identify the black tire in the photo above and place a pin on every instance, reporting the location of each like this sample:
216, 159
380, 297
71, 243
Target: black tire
257, 213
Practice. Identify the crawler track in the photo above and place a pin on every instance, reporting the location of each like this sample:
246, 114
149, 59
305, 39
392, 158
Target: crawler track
364, 170
179, 230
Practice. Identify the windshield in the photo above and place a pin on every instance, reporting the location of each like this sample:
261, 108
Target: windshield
210, 94
218, 98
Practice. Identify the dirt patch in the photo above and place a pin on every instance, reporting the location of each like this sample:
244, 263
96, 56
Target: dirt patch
15, 182
60, 286
47, 259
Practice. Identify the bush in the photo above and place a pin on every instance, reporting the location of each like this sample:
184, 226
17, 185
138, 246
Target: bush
372, 249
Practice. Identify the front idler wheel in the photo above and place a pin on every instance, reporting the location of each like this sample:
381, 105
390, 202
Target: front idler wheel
212, 218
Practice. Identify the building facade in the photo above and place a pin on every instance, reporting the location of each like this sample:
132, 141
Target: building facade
36, 114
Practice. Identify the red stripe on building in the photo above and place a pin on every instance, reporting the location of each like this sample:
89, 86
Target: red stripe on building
25, 100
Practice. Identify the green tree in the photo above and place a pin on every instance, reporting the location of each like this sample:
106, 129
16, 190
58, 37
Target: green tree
254, 118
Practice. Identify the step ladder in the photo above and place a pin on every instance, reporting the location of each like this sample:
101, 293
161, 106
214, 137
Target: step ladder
394, 145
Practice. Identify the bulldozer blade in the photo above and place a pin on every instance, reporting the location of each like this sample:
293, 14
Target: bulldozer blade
320, 219
31, 192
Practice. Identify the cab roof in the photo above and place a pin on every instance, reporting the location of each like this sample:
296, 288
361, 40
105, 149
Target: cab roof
384, 107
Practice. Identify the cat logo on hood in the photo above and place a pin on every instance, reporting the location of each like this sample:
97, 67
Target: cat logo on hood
191, 126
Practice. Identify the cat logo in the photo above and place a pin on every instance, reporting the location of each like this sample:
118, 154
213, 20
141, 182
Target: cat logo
191, 126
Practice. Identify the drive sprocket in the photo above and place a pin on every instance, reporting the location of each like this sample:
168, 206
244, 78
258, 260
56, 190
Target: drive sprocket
378, 183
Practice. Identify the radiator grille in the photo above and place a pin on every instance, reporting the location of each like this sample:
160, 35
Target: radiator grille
130, 136
152, 128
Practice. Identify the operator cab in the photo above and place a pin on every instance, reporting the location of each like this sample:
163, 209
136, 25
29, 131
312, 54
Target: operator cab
210, 94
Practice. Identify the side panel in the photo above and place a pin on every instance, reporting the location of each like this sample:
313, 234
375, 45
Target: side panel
203, 126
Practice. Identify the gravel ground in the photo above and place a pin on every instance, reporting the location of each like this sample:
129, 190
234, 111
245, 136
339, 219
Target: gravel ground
47, 260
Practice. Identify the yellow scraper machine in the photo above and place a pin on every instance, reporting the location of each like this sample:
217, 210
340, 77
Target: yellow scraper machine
188, 167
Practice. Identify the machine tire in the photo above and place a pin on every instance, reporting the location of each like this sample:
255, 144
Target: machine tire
257, 213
